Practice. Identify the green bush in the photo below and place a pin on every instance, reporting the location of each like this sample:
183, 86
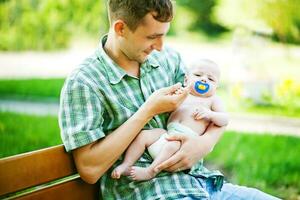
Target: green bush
48, 24
279, 18
203, 16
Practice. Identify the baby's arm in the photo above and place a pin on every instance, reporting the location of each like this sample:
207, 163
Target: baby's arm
217, 113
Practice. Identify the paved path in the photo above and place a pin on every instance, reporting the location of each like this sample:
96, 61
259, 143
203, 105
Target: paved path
238, 122
15, 65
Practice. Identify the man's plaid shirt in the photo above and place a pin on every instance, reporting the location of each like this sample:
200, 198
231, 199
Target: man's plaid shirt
99, 96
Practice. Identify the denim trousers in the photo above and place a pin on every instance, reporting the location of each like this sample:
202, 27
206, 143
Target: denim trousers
230, 192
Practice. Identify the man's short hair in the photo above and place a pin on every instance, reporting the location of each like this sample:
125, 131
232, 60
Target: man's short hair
133, 11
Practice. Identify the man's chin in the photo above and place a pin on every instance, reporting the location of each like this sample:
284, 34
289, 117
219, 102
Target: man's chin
142, 59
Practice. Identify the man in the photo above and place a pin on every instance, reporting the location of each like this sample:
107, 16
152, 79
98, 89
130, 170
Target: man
127, 85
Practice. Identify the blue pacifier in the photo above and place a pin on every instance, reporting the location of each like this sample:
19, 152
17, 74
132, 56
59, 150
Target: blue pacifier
201, 87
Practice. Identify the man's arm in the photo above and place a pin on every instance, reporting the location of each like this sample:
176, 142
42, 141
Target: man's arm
94, 159
193, 148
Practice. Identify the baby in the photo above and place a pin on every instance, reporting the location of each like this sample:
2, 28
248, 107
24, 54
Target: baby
192, 117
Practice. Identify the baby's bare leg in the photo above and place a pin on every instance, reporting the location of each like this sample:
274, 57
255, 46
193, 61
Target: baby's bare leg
140, 174
135, 150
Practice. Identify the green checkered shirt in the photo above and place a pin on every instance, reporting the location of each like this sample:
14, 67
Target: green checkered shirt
99, 96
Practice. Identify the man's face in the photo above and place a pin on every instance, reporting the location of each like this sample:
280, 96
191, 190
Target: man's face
206, 74
148, 36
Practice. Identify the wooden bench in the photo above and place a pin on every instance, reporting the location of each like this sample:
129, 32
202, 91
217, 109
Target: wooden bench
44, 174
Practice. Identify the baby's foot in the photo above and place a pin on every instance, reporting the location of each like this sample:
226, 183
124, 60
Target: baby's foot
120, 170
141, 174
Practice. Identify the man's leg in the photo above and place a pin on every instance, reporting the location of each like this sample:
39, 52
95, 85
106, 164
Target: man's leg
135, 151
236, 192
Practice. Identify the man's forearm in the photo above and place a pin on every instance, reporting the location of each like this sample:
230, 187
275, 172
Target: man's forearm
95, 159
212, 135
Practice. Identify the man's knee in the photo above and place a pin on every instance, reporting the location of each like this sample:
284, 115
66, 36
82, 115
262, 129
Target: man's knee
242, 192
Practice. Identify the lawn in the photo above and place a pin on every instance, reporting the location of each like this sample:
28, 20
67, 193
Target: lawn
23, 133
31, 89
270, 163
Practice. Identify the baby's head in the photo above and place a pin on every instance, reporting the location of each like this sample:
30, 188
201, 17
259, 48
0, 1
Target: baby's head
203, 78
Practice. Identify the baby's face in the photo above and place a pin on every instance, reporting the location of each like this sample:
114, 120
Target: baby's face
208, 74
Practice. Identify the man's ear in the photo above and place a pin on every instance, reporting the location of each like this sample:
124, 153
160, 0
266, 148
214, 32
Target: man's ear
119, 27
185, 80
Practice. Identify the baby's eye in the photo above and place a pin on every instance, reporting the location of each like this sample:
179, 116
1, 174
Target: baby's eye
211, 79
198, 74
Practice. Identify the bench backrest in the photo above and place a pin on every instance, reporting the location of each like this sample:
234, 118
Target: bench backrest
44, 174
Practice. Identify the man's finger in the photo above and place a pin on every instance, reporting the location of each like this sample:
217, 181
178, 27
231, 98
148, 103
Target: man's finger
176, 167
176, 137
169, 162
180, 97
171, 89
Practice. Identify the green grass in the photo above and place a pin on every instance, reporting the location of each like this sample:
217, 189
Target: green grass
274, 110
23, 133
31, 89
270, 163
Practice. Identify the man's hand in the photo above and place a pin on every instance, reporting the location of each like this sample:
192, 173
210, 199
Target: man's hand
202, 113
166, 99
193, 148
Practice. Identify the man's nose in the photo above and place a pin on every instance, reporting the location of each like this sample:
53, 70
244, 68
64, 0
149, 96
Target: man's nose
158, 44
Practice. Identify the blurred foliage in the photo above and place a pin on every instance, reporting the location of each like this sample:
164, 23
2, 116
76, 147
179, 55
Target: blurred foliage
202, 13
282, 98
48, 24
287, 94
279, 18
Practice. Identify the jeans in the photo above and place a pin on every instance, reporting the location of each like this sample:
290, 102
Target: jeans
231, 192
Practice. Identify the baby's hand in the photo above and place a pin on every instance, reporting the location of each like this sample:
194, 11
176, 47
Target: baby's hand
201, 113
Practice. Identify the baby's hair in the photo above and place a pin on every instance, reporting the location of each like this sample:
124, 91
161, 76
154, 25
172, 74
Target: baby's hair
200, 62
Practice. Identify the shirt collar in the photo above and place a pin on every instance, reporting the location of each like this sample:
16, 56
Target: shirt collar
114, 71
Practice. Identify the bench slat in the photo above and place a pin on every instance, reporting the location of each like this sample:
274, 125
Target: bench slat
76, 189
34, 168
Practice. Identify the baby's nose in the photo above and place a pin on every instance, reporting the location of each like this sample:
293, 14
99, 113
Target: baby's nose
203, 80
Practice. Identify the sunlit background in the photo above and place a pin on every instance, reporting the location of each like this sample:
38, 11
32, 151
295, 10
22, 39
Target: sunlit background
255, 42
